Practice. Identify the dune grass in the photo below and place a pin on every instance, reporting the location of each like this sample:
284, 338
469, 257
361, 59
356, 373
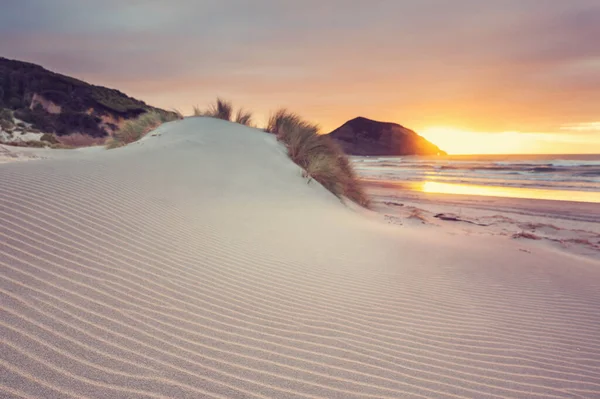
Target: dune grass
243, 117
134, 129
197, 111
321, 159
177, 113
222, 109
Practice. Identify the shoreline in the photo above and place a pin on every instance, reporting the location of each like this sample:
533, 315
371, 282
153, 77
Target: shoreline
568, 225
569, 210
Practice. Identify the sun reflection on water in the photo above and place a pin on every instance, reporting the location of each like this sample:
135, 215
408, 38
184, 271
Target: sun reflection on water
509, 192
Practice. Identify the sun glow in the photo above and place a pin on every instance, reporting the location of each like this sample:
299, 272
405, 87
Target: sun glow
457, 141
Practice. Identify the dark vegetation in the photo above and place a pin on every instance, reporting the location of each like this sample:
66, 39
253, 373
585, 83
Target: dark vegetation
82, 104
6, 119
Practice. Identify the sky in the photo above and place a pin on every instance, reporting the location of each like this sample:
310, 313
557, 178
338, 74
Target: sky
497, 76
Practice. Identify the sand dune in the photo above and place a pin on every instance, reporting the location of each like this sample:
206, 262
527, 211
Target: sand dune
199, 263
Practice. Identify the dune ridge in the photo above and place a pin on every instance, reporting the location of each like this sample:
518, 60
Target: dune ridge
198, 262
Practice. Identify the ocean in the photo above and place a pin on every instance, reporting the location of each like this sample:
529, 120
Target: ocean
551, 177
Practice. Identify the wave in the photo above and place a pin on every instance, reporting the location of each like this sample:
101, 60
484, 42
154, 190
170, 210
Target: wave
559, 174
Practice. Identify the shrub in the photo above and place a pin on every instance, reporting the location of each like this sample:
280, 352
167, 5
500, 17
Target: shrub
76, 122
134, 129
49, 138
115, 100
6, 119
6, 114
318, 155
38, 118
75, 140
32, 143
6, 125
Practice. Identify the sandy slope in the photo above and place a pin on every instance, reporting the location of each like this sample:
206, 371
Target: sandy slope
199, 263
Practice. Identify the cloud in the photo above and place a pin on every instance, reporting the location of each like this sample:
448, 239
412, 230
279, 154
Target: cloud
583, 127
510, 65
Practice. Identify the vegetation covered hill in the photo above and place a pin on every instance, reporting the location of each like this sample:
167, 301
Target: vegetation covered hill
60, 104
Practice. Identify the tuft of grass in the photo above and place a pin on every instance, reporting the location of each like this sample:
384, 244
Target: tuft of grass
243, 117
168, 116
197, 111
49, 138
221, 109
321, 159
283, 121
134, 129
177, 113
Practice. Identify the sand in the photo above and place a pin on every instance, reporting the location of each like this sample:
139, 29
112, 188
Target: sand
198, 262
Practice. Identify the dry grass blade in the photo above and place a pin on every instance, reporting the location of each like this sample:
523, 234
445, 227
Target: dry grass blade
243, 117
177, 113
304, 144
197, 111
221, 110
323, 168
283, 121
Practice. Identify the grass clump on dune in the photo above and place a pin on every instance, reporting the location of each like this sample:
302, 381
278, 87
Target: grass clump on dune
243, 117
223, 109
318, 155
197, 111
134, 129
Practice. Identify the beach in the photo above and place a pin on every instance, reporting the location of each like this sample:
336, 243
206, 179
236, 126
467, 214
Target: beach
199, 262
553, 199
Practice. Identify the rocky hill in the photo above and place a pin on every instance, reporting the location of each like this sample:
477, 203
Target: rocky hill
362, 136
60, 104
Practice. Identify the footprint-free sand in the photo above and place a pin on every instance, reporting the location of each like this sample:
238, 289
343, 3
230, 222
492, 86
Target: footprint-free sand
198, 262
